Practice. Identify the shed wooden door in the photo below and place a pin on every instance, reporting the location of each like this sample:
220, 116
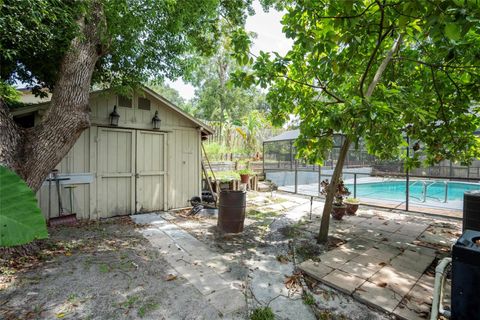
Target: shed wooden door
151, 161
115, 172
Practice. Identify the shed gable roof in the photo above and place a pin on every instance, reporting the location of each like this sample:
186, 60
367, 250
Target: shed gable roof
45, 102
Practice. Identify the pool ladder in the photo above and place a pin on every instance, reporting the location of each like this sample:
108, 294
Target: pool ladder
425, 189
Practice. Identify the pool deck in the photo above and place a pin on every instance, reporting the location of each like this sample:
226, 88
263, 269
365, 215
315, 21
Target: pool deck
449, 209
387, 260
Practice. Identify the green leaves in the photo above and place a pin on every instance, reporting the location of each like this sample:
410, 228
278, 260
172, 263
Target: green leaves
141, 40
452, 31
21, 221
430, 83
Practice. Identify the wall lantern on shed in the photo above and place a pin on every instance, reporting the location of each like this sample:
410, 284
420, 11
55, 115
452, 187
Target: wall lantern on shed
156, 121
114, 116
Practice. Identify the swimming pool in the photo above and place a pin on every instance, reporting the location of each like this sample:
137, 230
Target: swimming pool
395, 190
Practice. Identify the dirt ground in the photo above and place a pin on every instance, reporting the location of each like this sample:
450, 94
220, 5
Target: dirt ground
103, 270
108, 270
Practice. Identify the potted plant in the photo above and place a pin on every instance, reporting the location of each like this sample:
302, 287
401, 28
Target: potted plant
245, 175
339, 208
352, 205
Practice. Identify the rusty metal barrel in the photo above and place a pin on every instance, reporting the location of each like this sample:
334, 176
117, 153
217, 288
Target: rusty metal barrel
231, 213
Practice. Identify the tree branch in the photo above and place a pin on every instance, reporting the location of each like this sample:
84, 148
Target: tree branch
436, 65
383, 66
375, 50
440, 99
346, 17
459, 91
323, 88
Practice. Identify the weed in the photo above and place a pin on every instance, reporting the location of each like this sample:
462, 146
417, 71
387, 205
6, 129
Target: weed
264, 313
6, 271
324, 315
259, 215
103, 268
72, 297
308, 299
277, 199
37, 309
147, 307
130, 302
308, 250
87, 263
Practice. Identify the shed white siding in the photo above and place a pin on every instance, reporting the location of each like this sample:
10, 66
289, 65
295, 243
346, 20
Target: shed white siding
130, 168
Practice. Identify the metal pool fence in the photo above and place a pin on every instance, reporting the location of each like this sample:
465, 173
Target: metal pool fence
428, 194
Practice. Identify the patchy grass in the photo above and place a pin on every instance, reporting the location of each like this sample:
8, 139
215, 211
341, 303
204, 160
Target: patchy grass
130, 302
263, 313
324, 315
259, 215
290, 232
308, 250
147, 308
308, 299
277, 199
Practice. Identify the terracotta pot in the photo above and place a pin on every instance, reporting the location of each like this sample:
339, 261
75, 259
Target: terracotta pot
244, 178
352, 208
338, 212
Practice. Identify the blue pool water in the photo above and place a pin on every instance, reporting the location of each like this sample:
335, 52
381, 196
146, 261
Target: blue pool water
395, 190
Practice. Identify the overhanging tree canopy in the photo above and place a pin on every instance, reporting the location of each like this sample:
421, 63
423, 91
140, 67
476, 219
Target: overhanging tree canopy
68, 45
376, 70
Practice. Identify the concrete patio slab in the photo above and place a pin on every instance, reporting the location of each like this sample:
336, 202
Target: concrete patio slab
398, 280
359, 270
227, 300
343, 281
416, 304
377, 296
315, 269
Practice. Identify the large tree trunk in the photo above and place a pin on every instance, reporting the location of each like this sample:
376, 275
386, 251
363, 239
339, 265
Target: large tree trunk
34, 152
327, 209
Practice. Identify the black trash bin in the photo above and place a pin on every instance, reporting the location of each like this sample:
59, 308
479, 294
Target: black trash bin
466, 277
471, 211
231, 213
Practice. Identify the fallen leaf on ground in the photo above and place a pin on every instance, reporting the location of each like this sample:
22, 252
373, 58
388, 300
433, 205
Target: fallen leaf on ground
382, 284
282, 259
292, 283
170, 277
383, 264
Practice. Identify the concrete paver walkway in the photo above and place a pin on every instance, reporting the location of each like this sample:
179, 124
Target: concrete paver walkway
190, 258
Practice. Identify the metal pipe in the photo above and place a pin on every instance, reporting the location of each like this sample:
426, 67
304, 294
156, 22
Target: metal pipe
437, 303
263, 161
446, 191
311, 207
354, 185
296, 176
424, 191
407, 180
319, 179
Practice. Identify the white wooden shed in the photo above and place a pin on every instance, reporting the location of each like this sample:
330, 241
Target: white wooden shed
131, 167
